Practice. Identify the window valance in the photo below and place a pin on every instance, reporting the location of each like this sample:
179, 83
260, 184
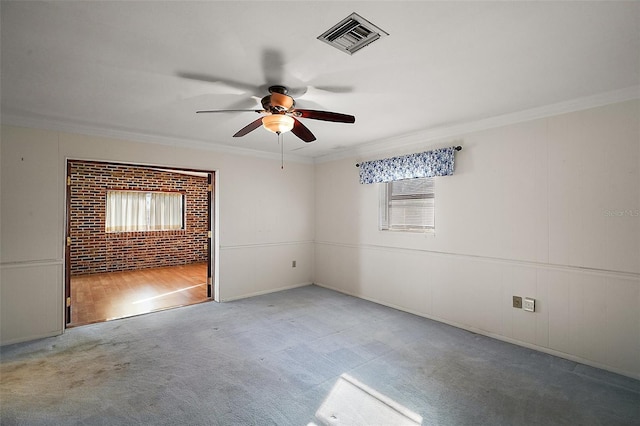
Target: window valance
438, 162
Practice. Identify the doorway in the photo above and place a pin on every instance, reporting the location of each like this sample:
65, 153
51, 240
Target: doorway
129, 269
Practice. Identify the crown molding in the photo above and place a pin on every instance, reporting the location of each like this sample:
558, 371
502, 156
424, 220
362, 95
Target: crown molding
418, 139
368, 149
65, 126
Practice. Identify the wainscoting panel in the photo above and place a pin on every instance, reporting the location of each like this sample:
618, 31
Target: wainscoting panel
250, 270
588, 316
31, 301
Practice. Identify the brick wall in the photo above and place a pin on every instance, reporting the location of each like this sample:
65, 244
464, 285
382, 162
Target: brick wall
93, 250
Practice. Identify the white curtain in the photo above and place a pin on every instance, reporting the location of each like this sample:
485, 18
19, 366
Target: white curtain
129, 211
165, 211
126, 211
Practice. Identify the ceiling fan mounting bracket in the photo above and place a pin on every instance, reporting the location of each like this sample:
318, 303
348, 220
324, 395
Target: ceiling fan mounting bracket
278, 89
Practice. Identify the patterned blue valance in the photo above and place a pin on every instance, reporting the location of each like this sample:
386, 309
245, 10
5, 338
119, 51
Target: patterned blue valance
438, 162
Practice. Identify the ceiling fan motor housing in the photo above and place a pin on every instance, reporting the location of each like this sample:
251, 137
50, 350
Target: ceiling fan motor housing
278, 101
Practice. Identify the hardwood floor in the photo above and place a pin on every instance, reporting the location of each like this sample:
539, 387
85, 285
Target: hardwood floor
102, 297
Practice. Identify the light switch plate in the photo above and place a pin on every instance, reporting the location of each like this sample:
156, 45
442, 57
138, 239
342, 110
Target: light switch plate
529, 304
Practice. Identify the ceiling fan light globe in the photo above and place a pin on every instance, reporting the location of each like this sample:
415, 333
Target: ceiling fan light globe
278, 123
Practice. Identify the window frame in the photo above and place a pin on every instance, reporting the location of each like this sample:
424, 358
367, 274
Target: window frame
387, 199
147, 214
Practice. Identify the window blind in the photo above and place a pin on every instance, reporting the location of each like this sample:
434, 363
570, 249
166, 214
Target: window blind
408, 205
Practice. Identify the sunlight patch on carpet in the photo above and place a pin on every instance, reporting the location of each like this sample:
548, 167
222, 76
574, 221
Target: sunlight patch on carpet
351, 402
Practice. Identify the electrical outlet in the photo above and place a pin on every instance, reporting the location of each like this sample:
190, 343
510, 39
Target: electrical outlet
517, 302
529, 304
293, 264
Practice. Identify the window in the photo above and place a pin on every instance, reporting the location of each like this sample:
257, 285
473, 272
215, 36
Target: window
130, 211
408, 205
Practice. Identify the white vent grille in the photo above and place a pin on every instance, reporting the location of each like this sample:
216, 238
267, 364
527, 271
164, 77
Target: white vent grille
352, 34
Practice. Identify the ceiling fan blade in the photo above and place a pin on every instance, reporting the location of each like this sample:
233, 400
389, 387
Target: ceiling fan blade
325, 115
225, 85
230, 110
249, 128
301, 131
316, 92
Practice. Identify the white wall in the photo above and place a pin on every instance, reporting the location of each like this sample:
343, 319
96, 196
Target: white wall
525, 214
547, 209
266, 220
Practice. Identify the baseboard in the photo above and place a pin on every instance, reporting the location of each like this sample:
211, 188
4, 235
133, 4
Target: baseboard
260, 293
527, 345
31, 338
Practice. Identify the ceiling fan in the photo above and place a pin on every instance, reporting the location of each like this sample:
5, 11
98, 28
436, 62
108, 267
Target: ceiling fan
281, 115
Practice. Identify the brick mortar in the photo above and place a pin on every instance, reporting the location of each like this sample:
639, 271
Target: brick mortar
93, 250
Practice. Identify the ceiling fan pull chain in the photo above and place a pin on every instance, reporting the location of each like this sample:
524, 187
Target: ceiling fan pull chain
281, 142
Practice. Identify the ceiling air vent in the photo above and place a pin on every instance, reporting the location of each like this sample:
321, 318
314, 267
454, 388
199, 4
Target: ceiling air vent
352, 34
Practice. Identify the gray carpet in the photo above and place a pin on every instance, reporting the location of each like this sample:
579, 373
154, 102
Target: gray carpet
275, 359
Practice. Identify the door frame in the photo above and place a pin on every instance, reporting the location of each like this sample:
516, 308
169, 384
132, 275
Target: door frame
213, 291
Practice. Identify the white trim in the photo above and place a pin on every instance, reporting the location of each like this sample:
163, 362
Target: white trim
367, 148
31, 338
271, 290
418, 139
491, 335
32, 263
60, 125
525, 263
216, 236
260, 245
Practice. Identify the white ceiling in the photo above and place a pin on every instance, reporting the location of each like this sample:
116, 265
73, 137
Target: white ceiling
146, 67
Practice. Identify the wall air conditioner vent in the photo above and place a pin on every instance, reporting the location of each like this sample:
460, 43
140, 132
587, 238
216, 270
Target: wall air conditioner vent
352, 34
